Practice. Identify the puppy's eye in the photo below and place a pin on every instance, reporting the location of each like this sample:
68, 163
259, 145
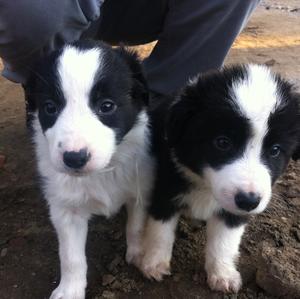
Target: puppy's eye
50, 108
107, 107
223, 143
275, 151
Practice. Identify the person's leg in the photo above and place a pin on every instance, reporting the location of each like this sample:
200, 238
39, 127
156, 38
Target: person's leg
131, 22
30, 28
193, 35
196, 37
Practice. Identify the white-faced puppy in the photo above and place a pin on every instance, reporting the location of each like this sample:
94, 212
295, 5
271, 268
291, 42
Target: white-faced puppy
91, 139
228, 136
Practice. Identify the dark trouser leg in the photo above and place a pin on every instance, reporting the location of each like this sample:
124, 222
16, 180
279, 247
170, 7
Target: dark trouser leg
193, 35
197, 36
132, 22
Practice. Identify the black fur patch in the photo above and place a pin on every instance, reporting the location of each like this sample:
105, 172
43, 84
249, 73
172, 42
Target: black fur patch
42, 87
232, 220
168, 182
284, 130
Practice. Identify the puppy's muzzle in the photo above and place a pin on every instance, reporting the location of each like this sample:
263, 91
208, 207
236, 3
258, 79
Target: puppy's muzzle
76, 160
247, 201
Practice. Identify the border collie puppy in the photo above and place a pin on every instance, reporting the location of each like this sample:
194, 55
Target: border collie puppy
228, 136
91, 143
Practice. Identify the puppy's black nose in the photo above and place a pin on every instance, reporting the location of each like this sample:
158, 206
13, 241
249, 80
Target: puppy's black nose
247, 201
76, 160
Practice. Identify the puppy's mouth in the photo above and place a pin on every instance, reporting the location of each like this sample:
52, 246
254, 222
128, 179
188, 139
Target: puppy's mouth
76, 172
85, 172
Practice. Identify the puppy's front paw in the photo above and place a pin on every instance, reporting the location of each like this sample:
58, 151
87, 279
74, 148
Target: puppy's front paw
225, 280
69, 291
134, 255
155, 266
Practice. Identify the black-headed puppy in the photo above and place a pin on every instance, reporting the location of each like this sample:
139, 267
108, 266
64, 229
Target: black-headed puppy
220, 146
91, 141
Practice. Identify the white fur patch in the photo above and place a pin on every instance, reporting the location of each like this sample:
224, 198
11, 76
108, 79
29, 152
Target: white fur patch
77, 70
222, 251
257, 95
158, 245
200, 201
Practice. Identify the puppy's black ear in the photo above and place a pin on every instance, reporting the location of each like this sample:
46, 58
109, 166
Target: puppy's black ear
139, 90
29, 87
180, 113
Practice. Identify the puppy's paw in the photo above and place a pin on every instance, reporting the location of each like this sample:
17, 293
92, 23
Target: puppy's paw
157, 271
155, 266
69, 291
134, 255
225, 281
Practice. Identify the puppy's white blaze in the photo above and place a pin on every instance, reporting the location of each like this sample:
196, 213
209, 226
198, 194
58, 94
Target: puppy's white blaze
257, 98
77, 70
77, 126
256, 95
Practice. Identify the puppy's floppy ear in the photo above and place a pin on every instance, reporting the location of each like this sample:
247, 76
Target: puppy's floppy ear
179, 114
139, 90
29, 87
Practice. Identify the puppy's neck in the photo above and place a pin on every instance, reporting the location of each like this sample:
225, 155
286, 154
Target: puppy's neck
190, 175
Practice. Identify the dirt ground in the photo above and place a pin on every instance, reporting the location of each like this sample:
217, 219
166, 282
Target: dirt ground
270, 251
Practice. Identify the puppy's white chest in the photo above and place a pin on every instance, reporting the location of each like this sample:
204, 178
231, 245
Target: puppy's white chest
201, 203
97, 193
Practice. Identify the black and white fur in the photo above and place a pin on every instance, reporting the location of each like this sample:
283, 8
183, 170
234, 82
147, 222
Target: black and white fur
91, 139
226, 139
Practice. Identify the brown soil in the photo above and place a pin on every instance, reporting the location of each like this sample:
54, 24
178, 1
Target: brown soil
270, 251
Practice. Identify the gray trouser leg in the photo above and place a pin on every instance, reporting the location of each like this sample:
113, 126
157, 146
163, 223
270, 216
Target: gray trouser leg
31, 28
193, 35
196, 37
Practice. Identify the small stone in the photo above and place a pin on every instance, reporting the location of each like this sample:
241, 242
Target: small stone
107, 279
270, 62
3, 252
108, 295
115, 262
296, 234
116, 285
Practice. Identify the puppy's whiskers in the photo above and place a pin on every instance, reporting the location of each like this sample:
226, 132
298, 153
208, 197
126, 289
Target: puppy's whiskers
106, 170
